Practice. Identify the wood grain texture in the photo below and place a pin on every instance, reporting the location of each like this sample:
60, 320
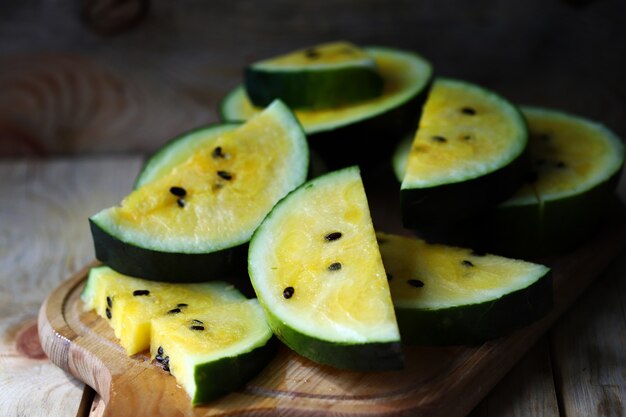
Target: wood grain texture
44, 236
589, 346
66, 103
436, 382
174, 66
530, 383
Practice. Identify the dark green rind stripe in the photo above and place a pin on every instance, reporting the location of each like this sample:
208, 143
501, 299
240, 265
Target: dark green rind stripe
477, 323
153, 265
452, 202
557, 226
372, 356
225, 375
532, 230
312, 89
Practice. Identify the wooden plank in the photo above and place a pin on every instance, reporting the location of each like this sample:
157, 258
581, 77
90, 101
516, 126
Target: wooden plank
44, 235
589, 350
589, 345
528, 390
437, 382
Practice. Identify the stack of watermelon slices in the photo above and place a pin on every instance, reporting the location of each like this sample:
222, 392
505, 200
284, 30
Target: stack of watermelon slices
232, 197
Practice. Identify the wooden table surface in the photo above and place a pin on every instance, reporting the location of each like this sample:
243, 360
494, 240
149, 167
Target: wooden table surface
83, 99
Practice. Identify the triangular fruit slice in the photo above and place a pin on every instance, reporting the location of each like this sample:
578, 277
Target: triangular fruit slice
200, 204
209, 336
446, 295
129, 303
213, 351
469, 154
315, 266
321, 76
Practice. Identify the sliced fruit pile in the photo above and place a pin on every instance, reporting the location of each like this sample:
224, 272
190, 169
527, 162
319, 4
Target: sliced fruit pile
575, 167
327, 287
194, 331
344, 116
195, 206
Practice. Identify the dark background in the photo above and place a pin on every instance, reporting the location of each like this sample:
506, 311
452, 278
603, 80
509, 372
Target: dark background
115, 75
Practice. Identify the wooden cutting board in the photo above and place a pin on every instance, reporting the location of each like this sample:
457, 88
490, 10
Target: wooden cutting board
436, 382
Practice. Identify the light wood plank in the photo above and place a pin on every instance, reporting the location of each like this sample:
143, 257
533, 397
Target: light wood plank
44, 236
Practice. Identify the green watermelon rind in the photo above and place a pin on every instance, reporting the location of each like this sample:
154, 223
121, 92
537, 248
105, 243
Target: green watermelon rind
312, 88
473, 324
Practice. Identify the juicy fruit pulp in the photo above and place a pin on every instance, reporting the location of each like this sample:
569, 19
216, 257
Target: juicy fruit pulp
445, 294
464, 132
569, 155
130, 303
315, 266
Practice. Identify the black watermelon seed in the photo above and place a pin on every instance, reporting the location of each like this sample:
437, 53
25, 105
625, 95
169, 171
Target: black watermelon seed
180, 202
182, 305
174, 311
196, 321
178, 191
225, 174
109, 302
312, 53
108, 313
333, 236
217, 153
415, 283
335, 266
137, 293
468, 110
159, 358
288, 292
160, 350
439, 139
389, 277
197, 327
467, 263
467, 137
